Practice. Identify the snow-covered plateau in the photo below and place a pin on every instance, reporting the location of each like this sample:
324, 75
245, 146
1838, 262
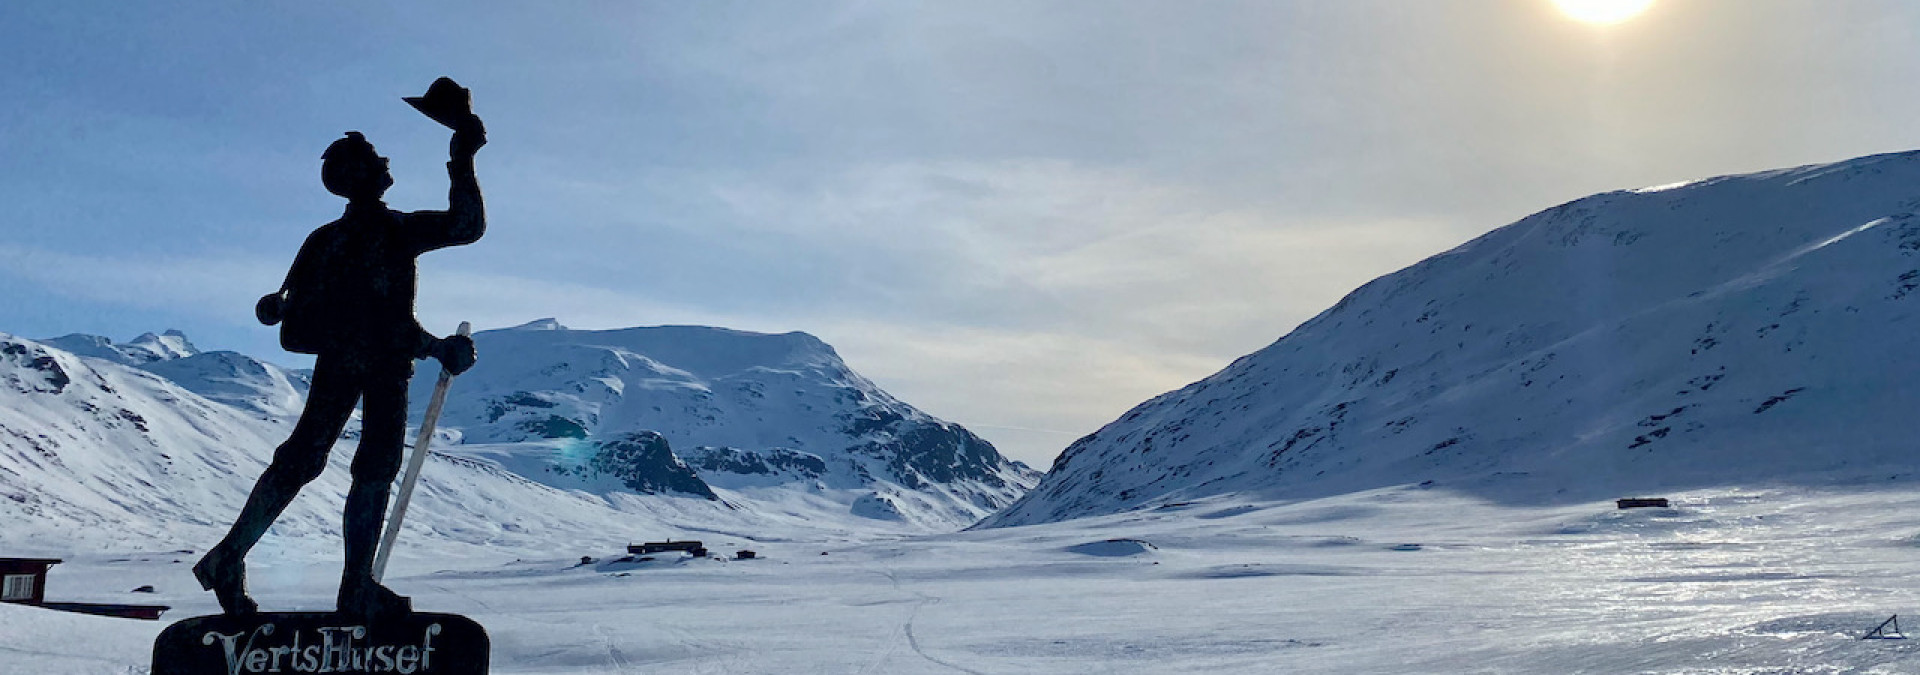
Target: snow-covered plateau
1419, 480
1762, 579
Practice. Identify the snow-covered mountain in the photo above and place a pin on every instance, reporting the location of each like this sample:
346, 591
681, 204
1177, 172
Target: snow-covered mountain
227, 377
1746, 328
96, 455
582, 434
145, 349
237, 380
685, 409
97, 450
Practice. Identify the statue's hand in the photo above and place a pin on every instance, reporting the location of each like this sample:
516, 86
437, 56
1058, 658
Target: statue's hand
455, 353
270, 309
468, 139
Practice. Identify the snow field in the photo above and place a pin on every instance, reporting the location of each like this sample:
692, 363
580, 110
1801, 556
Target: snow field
1395, 580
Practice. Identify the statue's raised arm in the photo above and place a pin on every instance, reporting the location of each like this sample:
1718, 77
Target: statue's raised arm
465, 219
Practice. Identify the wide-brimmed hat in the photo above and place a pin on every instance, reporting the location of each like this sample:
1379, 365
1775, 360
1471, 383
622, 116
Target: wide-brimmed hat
446, 102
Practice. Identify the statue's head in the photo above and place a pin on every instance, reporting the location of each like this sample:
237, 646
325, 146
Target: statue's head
350, 168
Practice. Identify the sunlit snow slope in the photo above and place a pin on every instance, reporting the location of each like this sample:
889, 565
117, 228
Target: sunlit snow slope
138, 449
95, 456
573, 435
225, 377
1756, 327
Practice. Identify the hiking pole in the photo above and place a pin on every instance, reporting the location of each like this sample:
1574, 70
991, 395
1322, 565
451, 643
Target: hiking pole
414, 463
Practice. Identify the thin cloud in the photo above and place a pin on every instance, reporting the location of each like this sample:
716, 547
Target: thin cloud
211, 285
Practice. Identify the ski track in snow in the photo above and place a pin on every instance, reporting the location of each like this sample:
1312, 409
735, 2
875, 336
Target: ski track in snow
906, 627
616, 661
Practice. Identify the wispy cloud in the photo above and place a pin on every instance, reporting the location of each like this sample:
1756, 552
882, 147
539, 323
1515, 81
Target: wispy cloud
208, 285
1025, 216
1035, 299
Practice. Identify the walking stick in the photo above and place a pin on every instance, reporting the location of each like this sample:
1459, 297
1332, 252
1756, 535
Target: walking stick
419, 459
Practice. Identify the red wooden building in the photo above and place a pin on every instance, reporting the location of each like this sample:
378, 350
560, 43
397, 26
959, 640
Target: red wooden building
24, 581
695, 548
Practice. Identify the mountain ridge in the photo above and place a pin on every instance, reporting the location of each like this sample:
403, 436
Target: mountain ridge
727, 400
1734, 328
226, 410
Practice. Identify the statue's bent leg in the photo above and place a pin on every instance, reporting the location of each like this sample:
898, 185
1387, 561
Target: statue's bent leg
295, 463
383, 419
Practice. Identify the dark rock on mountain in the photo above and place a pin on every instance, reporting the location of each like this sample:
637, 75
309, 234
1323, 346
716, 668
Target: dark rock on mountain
645, 464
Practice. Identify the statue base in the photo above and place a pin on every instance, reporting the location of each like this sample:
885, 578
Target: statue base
322, 642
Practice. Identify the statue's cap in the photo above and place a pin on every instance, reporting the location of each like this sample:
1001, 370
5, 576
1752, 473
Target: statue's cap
353, 142
343, 160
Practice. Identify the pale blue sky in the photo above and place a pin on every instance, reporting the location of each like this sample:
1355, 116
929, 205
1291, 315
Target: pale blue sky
1022, 216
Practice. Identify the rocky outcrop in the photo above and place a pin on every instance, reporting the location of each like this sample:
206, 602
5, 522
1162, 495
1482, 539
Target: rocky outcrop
771, 462
644, 463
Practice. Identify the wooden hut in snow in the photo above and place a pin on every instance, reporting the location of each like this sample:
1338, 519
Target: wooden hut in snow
23, 581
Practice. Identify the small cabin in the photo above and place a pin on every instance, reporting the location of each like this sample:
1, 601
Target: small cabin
1642, 503
24, 580
744, 554
693, 548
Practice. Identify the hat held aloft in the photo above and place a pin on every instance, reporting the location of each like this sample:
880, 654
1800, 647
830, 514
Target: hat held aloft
448, 103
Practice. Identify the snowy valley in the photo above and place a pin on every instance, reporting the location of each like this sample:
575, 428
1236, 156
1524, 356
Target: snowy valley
1418, 480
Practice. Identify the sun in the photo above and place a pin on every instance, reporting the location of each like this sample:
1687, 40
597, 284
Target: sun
1602, 12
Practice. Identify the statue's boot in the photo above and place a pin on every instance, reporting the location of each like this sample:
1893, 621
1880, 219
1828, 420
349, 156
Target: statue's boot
369, 600
226, 576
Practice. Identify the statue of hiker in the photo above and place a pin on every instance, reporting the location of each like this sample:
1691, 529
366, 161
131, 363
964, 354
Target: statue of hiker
348, 300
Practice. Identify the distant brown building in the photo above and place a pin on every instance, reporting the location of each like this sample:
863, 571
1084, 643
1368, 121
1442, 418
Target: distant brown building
1642, 503
24, 580
694, 548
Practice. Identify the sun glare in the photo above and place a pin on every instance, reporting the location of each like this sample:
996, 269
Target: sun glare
1602, 12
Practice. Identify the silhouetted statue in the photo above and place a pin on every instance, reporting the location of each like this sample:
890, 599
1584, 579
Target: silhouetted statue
348, 300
